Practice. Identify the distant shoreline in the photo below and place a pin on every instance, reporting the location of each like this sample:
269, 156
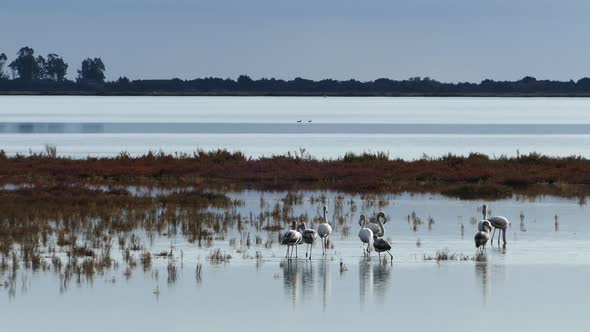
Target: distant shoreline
294, 94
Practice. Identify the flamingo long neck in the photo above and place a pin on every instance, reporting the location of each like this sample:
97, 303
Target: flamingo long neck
485, 212
325, 217
380, 223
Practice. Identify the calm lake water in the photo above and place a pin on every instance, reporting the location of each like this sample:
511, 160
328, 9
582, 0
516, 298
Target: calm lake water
538, 282
404, 127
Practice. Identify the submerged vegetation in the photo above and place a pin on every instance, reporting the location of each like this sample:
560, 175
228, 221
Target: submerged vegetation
108, 217
468, 177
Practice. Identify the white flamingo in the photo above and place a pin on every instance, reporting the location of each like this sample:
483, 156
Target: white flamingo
309, 236
291, 238
377, 227
381, 245
498, 222
366, 234
482, 237
324, 231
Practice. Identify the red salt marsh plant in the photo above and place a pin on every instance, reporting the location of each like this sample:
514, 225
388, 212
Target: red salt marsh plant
472, 176
39, 223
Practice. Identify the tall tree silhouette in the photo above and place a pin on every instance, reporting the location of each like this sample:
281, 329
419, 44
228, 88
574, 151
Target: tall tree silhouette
92, 71
55, 67
3, 59
26, 66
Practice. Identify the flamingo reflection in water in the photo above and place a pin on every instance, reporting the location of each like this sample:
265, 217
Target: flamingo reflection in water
300, 279
373, 279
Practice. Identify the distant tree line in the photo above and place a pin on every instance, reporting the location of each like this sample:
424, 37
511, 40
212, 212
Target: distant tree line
28, 73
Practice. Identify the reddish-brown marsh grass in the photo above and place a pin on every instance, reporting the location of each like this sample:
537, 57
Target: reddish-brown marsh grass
473, 176
39, 223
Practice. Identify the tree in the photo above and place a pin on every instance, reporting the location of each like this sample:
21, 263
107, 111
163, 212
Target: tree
26, 66
92, 71
3, 59
55, 67
41, 64
245, 82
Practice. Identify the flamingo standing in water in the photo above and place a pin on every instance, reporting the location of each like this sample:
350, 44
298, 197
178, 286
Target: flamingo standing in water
482, 237
324, 231
381, 245
291, 238
377, 227
309, 236
498, 222
365, 234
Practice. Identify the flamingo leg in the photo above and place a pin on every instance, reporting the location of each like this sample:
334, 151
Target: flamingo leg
504, 236
493, 233
287, 255
310, 249
295, 251
390, 255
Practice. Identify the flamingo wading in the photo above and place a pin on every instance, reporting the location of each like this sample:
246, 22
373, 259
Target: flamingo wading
365, 235
291, 238
498, 222
381, 245
324, 231
377, 227
309, 236
482, 237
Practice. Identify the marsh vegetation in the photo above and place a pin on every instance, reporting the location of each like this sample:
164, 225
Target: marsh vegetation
471, 177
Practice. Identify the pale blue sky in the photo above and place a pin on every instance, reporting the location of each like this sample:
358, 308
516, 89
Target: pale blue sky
449, 40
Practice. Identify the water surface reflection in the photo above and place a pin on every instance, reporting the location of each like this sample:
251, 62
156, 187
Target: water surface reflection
374, 279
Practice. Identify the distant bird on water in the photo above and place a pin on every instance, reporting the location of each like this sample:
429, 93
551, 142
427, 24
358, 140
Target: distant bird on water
498, 222
309, 236
324, 230
381, 245
376, 227
309, 121
365, 235
298, 121
291, 238
483, 236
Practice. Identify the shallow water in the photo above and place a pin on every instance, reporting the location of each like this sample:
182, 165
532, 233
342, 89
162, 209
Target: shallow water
405, 127
537, 282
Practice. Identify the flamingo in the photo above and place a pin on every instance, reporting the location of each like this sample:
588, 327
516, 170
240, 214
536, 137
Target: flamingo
498, 222
291, 238
324, 231
366, 234
309, 236
381, 245
482, 237
377, 227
